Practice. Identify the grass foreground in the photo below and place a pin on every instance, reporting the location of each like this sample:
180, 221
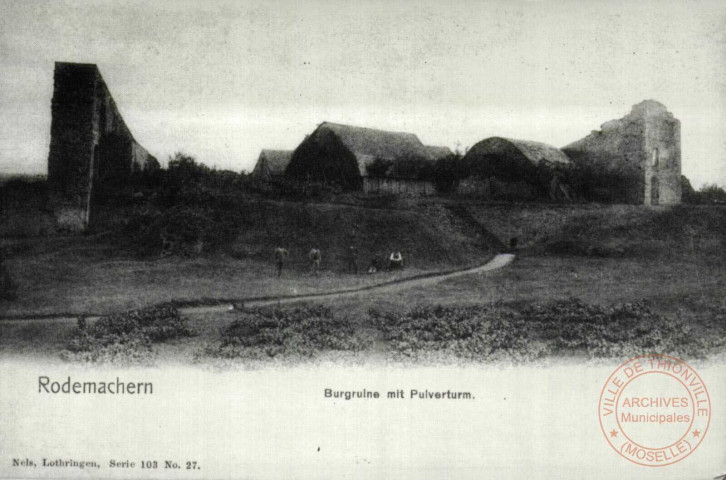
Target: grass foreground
454, 334
597, 282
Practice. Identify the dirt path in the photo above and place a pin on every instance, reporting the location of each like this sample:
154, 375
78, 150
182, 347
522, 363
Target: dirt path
498, 261
422, 280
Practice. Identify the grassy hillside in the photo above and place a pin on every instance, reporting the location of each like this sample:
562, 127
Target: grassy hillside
103, 273
609, 230
578, 268
428, 237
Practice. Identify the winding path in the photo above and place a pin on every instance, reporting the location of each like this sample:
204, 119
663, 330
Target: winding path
497, 262
422, 280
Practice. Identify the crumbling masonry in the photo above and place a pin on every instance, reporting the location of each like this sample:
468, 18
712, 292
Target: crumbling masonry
638, 156
90, 144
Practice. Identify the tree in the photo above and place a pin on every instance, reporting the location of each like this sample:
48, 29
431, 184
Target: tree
712, 194
379, 168
413, 167
688, 194
183, 169
448, 171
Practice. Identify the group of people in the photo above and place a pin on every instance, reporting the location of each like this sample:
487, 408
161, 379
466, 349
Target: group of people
395, 261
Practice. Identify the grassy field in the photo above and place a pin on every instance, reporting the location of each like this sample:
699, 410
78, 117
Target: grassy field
604, 257
72, 282
100, 274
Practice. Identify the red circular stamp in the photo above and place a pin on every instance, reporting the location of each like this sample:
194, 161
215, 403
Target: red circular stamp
654, 410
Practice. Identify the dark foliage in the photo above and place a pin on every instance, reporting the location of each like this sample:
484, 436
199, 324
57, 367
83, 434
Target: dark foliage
412, 167
185, 230
23, 192
688, 194
379, 168
710, 195
447, 173
187, 182
299, 332
479, 333
623, 330
194, 209
127, 337
595, 185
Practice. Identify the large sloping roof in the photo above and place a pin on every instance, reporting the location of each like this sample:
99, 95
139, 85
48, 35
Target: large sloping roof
367, 144
535, 152
276, 160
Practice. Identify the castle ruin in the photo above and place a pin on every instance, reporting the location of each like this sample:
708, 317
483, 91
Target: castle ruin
90, 144
637, 158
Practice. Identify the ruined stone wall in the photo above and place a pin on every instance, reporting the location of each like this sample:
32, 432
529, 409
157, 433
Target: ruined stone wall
91, 147
663, 164
621, 156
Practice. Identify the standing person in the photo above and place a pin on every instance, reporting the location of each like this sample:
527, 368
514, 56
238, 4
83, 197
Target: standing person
353, 259
395, 262
280, 256
315, 256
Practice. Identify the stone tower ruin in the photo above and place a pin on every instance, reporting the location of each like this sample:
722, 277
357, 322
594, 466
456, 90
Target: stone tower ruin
636, 158
90, 144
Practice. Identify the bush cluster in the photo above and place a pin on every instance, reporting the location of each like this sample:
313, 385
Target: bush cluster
476, 333
623, 330
183, 230
482, 333
300, 332
126, 338
709, 194
445, 172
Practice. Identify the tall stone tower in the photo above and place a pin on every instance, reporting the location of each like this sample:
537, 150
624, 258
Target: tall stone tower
90, 144
637, 157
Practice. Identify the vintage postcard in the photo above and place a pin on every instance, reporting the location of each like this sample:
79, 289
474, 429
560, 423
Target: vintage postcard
373, 239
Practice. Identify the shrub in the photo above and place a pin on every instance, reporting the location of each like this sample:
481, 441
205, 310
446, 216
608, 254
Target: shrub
183, 230
448, 172
484, 333
413, 167
476, 333
299, 332
712, 194
379, 168
623, 330
127, 337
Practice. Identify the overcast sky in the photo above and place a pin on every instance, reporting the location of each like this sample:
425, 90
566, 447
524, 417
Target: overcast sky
222, 80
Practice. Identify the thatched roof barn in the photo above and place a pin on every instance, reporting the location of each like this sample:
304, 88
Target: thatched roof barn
272, 163
532, 152
517, 161
340, 154
511, 159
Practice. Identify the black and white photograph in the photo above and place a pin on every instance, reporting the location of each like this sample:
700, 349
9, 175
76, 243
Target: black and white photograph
376, 239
